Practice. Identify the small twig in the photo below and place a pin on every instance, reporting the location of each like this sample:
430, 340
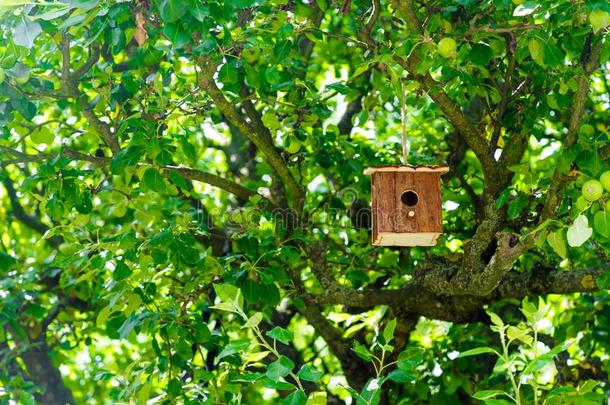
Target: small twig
51, 317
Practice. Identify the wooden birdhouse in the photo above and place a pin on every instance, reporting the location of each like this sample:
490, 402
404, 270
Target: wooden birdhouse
406, 205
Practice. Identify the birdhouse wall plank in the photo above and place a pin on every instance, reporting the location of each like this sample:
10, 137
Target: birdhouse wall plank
385, 206
429, 188
375, 226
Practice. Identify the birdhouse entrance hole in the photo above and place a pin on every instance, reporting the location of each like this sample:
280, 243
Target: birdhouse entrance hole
409, 198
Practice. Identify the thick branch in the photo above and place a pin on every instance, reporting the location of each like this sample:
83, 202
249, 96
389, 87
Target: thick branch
213, 180
261, 140
51, 317
75, 155
559, 180
415, 299
30, 221
70, 85
471, 281
541, 282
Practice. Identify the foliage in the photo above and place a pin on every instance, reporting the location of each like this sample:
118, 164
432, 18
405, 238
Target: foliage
185, 217
531, 363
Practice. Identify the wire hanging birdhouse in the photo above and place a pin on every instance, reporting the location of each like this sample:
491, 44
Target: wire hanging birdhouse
406, 205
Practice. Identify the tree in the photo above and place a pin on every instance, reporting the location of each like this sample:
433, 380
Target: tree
185, 214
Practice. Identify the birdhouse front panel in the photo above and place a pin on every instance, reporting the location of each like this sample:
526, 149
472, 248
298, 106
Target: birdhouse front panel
406, 205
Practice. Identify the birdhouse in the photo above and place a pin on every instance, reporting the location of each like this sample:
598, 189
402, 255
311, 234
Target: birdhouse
406, 205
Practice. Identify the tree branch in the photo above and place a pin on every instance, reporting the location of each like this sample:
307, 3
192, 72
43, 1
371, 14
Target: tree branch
261, 140
559, 179
70, 86
416, 299
51, 317
213, 180
75, 155
541, 282
30, 221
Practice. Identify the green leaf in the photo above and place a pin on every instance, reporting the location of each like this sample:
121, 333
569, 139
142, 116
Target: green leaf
317, 398
410, 358
225, 306
503, 198
495, 319
26, 108
178, 180
517, 333
271, 121
6, 261
546, 358
308, 373
253, 321
552, 55
102, 317
557, 242
277, 385
172, 10
487, 394
281, 50
229, 294
153, 180
599, 19
526, 8
402, 376
178, 35
26, 32
477, 351
279, 368
536, 51
298, 397
128, 326
188, 149
280, 334
184, 349
480, 54
517, 205
126, 157
234, 347
538, 363
601, 223
371, 391
579, 232
174, 387
121, 271
362, 351
74, 20
388, 331
199, 10
42, 135
205, 46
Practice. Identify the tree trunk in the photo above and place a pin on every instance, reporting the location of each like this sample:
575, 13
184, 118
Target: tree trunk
45, 375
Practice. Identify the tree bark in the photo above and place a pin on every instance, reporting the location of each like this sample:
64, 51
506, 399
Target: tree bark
45, 375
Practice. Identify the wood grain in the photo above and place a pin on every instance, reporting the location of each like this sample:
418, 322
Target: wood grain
429, 215
385, 204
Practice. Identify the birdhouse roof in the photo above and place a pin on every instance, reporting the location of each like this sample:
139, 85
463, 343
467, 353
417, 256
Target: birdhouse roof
412, 169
